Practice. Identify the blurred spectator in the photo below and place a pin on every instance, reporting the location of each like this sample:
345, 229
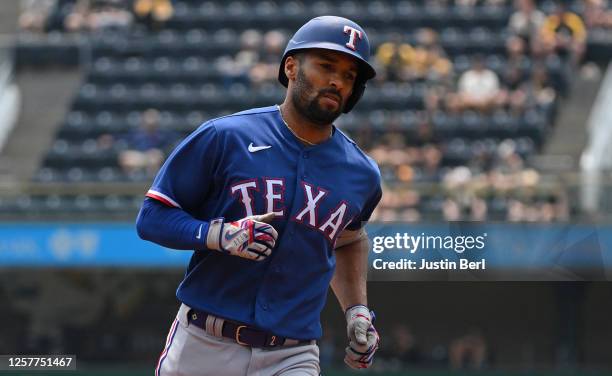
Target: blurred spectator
251, 41
439, 96
516, 52
237, 69
409, 215
34, 14
451, 210
597, 14
514, 76
393, 57
425, 61
266, 69
76, 20
457, 178
431, 159
95, 15
538, 91
508, 160
146, 146
527, 20
400, 163
529, 208
153, 13
478, 210
564, 32
479, 88
398, 205
469, 351
428, 60
109, 14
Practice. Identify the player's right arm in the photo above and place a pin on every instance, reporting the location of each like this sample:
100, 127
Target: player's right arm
179, 188
251, 237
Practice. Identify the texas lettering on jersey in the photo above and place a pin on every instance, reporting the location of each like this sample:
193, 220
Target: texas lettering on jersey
250, 163
308, 215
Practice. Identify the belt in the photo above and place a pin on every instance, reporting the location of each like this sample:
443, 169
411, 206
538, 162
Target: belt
243, 334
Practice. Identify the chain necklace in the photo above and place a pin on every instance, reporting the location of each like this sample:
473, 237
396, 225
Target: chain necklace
295, 134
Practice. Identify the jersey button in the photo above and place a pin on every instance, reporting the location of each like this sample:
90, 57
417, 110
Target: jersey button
305, 155
264, 306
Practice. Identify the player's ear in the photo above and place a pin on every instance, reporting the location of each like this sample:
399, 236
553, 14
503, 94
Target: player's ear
291, 67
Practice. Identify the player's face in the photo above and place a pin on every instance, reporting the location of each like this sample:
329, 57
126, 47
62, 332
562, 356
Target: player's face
324, 81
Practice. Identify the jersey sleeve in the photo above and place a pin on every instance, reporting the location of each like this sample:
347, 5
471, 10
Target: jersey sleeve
187, 175
367, 210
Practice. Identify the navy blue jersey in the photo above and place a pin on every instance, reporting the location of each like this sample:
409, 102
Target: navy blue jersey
250, 163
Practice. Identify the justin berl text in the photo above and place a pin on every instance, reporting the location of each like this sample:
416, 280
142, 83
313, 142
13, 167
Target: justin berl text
445, 264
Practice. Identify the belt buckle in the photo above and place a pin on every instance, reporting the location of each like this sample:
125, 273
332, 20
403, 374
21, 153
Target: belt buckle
237, 336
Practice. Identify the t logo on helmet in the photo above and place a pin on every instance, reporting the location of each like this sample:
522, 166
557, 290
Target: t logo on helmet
354, 34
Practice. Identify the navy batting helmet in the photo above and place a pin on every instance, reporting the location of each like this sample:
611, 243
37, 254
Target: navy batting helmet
336, 34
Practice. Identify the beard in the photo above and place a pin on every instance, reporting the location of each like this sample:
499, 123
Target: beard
310, 108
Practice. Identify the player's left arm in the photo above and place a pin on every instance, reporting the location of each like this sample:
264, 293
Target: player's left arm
349, 280
349, 286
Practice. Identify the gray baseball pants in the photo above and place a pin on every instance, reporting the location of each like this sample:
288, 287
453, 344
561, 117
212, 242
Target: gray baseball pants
191, 351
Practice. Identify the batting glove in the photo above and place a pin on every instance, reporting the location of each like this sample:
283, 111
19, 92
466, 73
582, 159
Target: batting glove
363, 337
250, 237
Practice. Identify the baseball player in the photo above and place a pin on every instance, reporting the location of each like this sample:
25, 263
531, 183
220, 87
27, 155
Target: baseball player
272, 201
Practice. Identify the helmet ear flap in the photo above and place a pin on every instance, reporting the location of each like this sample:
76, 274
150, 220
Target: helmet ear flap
358, 90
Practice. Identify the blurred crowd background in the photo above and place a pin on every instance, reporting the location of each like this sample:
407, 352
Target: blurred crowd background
479, 112
472, 99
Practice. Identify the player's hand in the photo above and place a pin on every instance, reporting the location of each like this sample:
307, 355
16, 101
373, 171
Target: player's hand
363, 337
251, 237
